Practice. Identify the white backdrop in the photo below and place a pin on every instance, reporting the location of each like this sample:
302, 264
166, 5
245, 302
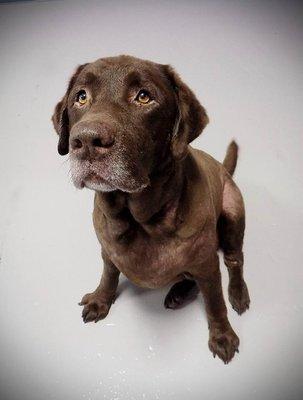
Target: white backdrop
244, 61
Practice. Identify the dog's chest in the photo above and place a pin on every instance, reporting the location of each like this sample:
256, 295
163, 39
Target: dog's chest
155, 262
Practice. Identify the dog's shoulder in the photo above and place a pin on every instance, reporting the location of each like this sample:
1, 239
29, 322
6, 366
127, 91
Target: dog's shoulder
206, 180
205, 161
204, 169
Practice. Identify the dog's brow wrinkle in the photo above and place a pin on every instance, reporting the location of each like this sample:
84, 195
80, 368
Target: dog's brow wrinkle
90, 78
133, 78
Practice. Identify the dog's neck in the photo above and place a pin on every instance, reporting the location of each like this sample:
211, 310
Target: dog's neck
155, 208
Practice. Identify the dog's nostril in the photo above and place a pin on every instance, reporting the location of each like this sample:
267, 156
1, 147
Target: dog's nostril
76, 144
103, 142
97, 143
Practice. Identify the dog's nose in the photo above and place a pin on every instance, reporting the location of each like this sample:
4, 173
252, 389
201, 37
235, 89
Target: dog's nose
94, 137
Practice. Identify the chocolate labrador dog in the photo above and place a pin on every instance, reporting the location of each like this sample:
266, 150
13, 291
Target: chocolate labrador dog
162, 209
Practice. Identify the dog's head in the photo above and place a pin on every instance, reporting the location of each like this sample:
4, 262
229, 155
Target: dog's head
121, 118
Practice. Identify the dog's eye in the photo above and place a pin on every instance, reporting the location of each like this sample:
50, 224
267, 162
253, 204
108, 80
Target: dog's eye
143, 97
82, 97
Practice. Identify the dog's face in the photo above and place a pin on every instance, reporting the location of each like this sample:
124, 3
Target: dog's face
121, 118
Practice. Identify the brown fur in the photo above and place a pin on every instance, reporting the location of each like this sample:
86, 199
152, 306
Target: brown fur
171, 207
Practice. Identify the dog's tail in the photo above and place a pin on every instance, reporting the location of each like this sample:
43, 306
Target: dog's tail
230, 160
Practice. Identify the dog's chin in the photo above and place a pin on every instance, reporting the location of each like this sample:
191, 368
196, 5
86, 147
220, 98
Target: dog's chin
103, 186
97, 177
99, 184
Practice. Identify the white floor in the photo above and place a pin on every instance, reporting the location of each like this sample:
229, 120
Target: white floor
244, 60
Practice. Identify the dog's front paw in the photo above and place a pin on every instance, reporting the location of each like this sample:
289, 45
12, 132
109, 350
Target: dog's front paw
224, 344
238, 297
96, 307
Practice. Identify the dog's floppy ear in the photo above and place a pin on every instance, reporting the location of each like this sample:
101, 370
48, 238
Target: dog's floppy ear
191, 118
60, 116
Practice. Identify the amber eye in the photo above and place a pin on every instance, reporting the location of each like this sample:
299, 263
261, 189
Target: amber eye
143, 97
82, 97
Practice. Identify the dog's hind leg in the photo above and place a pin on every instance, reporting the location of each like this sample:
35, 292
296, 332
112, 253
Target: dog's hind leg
181, 293
231, 227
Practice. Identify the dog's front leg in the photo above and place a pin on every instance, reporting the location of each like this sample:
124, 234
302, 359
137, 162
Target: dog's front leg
97, 304
222, 339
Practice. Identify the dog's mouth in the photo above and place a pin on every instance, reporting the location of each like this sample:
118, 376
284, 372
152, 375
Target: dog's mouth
105, 178
96, 182
94, 178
